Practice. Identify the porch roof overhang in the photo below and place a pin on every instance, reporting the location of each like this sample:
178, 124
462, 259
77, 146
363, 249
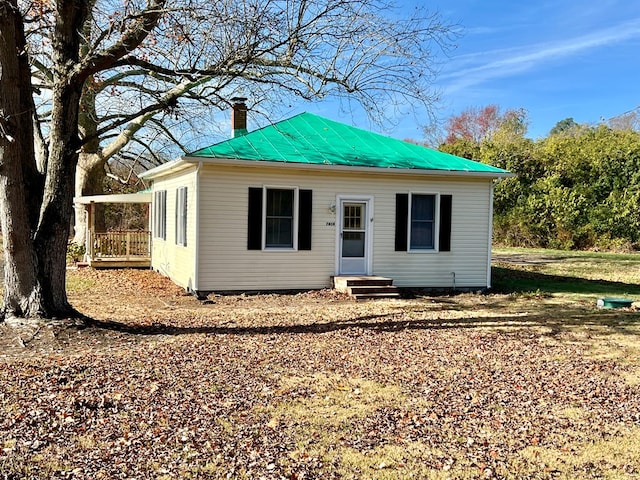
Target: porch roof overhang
140, 197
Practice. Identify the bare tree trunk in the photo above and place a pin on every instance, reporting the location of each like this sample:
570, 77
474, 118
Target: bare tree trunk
52, 234
53, 229
22, 291
35, 218
90, 176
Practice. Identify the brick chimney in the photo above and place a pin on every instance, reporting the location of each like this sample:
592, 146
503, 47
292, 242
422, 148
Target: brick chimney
238, 116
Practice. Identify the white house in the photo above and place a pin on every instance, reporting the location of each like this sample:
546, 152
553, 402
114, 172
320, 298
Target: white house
293, 204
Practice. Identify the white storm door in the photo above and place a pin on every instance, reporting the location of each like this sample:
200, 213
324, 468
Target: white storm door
354, 237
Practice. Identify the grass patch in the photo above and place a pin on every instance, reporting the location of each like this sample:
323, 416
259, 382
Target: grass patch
330, 404
612, 459
390, 462
79, 285
531, 280
577, 275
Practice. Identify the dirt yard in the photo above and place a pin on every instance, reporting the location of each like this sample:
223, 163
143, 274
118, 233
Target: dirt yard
315, 385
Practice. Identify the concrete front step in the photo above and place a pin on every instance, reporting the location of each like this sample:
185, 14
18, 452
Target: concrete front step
368, 281
363, 287
373, 289
374, 296
342, 282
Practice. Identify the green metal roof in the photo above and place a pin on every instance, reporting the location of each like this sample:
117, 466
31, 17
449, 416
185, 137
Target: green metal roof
311, 139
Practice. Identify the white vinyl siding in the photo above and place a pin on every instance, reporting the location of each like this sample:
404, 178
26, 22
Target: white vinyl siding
225, 263
177, 261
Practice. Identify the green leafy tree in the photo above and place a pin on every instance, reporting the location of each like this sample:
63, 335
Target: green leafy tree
563, 126
463, 148
570, 191
577, 188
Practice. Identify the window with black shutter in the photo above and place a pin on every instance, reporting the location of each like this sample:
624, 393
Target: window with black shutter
279, 219
417, 227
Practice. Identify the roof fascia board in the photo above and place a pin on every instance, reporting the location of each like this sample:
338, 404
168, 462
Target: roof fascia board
167, 168
344, 168
114, 198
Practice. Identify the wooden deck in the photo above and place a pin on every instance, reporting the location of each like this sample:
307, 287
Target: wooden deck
119, 263
119, 249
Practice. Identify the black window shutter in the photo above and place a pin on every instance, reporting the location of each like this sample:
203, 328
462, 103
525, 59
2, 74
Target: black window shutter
402, 212
445, 223
177, 217
254, 230
305, 207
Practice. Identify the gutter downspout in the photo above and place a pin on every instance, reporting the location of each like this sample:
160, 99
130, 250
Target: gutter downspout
490, 237
196, 253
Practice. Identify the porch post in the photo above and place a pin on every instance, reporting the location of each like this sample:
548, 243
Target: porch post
148, 226
90, 212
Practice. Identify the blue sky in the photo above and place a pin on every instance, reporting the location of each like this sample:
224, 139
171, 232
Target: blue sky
556, 59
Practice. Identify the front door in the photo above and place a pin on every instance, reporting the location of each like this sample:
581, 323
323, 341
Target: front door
354, 239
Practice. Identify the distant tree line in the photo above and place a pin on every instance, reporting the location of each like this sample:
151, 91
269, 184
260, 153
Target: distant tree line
576, 188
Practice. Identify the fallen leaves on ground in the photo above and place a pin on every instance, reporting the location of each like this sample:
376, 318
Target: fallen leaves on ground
313, 385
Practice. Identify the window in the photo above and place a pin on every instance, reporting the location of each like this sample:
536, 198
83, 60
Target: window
284, 222
422, 227
279, 223
181, 216
160, 214
418, 226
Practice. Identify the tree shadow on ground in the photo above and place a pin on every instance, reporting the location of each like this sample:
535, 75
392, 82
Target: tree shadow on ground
511, 280
551, 316
625, 322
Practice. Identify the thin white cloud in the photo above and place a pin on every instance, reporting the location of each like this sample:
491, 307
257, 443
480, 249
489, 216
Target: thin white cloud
477, 68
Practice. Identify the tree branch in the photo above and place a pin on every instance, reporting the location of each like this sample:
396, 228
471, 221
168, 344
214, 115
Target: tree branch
145, 22
137, 122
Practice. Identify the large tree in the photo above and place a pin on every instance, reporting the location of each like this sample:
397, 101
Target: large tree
18, 210
102, 70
